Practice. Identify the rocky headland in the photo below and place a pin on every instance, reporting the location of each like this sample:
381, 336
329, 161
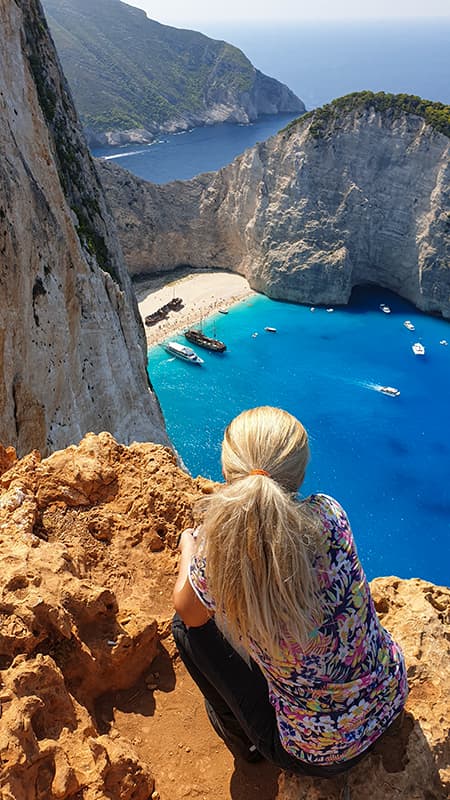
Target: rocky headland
94, 702
354, 193
133, 78
72, 343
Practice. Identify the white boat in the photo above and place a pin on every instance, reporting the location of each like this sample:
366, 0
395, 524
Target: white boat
390, 390
183, 352
444, 342
313, 308
418, 349
269, 329
223, 310
330, 310
408, 324
384, 308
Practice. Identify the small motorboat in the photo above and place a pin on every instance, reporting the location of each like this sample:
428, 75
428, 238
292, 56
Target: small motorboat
330, 310
313, 308
418, 349
223, 310
408, 324
385, 309
254, 335
389, 390
269, 329
444, 342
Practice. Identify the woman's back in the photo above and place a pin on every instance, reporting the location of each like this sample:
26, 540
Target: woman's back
335, 693
282, 578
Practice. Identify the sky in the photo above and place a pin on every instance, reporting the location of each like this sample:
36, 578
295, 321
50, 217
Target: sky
187, 13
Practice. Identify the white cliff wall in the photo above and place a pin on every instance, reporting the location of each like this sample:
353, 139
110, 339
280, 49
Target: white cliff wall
71, 343
305, 218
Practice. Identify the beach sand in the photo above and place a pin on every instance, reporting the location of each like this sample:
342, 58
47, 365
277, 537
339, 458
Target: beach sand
203, 293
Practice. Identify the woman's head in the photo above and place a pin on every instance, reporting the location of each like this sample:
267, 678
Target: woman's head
269, 439
258, 541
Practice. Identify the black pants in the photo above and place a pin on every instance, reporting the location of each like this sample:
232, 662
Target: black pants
238, 694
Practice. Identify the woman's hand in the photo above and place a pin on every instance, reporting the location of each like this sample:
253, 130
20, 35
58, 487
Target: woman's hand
191, 610
186, 542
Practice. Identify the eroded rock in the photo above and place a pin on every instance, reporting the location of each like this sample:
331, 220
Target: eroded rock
85, 605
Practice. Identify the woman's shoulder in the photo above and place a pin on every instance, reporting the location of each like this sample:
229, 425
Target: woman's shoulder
326, 506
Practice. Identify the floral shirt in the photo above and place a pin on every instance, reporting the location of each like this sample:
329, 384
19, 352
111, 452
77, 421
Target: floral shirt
335, 696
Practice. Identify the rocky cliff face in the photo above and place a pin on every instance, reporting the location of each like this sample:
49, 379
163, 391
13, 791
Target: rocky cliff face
92, 697
71, 343
133, 78
361, 198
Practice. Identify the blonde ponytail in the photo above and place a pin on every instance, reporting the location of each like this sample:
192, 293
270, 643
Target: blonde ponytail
259, 542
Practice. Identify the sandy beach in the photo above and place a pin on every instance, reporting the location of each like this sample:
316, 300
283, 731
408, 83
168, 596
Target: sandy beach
203, 293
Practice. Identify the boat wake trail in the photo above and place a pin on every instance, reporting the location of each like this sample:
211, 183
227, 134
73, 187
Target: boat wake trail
122, 155
375, 387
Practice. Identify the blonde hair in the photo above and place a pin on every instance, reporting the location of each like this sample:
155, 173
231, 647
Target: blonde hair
257, 539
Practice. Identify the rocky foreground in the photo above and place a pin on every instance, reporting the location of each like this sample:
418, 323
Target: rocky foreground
88, 558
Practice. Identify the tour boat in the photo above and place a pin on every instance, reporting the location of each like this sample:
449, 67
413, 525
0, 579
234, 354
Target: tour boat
269, 329
408, 324
390, 390
181, 351
418, 349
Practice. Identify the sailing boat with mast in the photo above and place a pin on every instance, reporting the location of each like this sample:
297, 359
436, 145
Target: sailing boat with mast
197, 336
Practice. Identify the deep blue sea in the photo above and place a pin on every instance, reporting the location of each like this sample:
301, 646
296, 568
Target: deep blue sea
386, 459
318, 61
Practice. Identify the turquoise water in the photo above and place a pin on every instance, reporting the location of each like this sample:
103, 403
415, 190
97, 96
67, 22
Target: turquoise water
387, 460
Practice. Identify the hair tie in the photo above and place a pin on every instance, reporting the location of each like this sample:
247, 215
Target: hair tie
259, 472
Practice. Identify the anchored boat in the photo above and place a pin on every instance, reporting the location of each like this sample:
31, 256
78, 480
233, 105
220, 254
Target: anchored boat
181, 351
198, 337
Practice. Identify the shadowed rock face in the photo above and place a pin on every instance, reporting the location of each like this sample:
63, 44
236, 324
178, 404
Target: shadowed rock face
306, 218
87, 567
73, 351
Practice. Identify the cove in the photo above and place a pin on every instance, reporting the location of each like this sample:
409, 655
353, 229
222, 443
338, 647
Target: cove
385, 459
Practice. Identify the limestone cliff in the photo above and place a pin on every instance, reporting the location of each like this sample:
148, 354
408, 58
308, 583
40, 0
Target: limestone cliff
92, 699
133, 78
352, 195
71, 343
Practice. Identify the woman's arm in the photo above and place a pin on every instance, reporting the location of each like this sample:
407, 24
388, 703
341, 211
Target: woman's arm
187, 605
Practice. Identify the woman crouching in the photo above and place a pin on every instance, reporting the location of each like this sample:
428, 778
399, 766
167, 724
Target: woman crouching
275, 620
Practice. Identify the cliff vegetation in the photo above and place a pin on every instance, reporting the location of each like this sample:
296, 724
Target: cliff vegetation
321, 120
129, 72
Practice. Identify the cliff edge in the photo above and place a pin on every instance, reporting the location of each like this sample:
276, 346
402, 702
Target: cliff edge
72, 344
94, 701
354, 193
